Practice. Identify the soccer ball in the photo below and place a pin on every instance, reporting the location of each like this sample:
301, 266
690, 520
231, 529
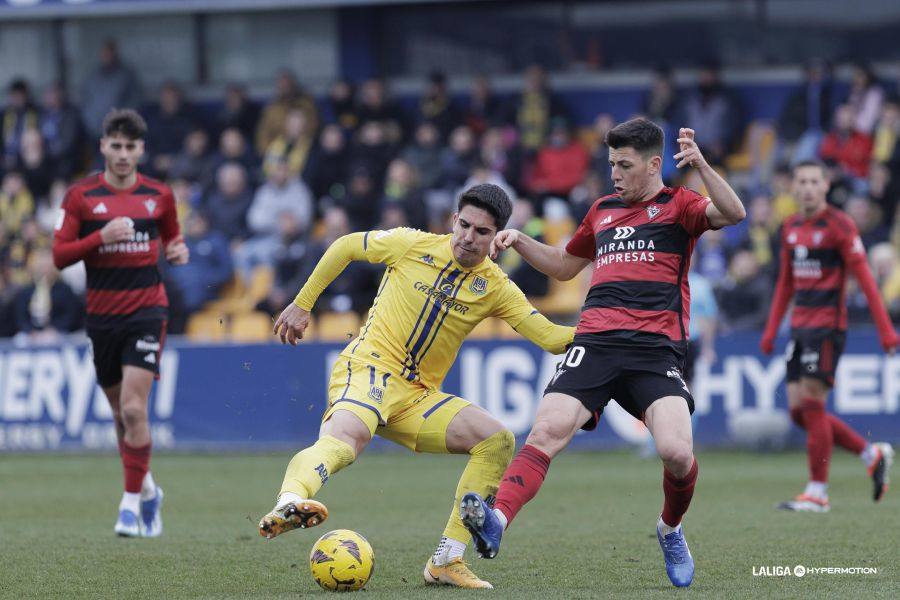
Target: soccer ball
342, 561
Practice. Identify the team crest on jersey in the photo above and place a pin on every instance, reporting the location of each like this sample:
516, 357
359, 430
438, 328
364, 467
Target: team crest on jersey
652, 211
150, 205
478, 285
817, 238
376, 394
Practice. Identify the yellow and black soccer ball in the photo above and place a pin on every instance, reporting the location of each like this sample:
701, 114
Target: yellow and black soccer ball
342, 561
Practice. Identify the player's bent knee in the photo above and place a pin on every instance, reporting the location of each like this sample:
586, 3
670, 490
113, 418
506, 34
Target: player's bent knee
547, 437
677, 456
133, 415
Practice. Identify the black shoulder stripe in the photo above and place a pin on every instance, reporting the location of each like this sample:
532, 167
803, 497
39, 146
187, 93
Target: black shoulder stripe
146, 190
614, 202
97, 192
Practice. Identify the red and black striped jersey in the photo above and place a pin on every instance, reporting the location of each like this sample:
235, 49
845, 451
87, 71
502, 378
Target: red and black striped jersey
816, 255
641, 255
123, 279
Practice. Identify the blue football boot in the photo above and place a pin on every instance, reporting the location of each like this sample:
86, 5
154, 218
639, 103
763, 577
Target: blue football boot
482, 523
151, 514
128, 525
679, 562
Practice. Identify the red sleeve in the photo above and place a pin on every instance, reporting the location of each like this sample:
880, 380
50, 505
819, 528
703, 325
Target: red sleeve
784, 291
583, 244
693, 212
854, 254
168, 219
68, 249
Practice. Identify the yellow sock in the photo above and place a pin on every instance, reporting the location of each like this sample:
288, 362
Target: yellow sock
488, 460
311, 468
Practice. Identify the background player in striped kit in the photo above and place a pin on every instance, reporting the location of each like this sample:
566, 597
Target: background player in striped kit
116, 222
819, 245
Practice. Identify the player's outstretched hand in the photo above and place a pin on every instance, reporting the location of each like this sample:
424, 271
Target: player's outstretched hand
503, 240
177, 252
890, 344
690, 153
767, 345
291, 324
120, 229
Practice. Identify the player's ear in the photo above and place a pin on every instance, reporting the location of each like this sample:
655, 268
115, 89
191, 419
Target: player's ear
655, 165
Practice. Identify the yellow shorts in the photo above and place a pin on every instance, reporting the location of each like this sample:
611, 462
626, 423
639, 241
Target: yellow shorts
405, 413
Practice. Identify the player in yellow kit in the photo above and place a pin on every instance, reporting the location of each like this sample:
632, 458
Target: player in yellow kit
435, 290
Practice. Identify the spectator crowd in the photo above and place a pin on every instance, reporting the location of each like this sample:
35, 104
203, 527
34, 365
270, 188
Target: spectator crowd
271, 186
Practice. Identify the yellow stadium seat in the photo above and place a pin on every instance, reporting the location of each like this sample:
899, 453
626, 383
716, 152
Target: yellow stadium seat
557, 230
251, 327
564, 297
337, 327
239, 296
207, 326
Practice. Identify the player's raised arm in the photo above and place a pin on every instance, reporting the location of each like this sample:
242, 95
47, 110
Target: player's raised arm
553, 262
726, 208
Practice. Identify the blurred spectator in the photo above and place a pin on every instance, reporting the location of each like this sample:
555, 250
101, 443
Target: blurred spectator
361, 200
20, 114
783, 202
238, 111
210, 267
744, 295
343, 104
111, 85
714, 115
436, 106
535, 108
458, 158
850, 149
805, 117
63, 133
371, 151
355, 287
16, 202
532, 282
289, 265
233, 147
424, 154
401, 192
501, 154
227, 204
374, 106
757, 233
327, 169
710, 258
288, 96
704, 323
583, 195
866, 97
293, 145
887, 131
560, 165
46, 306
34, 164
868, 221
660, 104
168, 124
194, 161
886, 270
600, 156
483, 173
485, 110
282, 193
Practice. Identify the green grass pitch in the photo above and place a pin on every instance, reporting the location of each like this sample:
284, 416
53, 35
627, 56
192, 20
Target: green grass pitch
590, 533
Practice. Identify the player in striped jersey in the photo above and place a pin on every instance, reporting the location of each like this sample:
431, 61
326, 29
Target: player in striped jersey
117, 222
819, 246
435, 290
631, 339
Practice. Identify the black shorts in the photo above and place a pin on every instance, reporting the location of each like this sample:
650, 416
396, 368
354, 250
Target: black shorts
814, 354
133, 343
634, 377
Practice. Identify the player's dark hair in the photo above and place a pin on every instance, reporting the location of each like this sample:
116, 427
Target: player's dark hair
125, 121
811, 163
642, 134
491, 198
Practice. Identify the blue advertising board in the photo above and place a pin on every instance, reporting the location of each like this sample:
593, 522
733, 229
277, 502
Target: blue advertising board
269, 396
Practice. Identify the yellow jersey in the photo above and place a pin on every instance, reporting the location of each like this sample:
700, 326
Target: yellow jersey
427, 303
